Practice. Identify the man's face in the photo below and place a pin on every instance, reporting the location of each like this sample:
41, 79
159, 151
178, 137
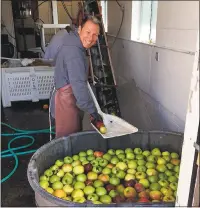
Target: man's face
89, 34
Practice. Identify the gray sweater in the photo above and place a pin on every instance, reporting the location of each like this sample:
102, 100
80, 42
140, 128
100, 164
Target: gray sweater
71, 68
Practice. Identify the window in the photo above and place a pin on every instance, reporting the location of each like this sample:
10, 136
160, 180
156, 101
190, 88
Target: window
144, 18
104, 5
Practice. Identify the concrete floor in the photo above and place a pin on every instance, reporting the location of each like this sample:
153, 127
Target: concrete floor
16, 191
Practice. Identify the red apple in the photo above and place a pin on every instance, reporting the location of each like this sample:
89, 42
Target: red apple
118, 199
130, 183
143, 199
87, 168
139, 187
110, 187
143, 194
98, 154
88, 182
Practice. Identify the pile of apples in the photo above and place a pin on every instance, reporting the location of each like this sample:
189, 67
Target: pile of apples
116, 176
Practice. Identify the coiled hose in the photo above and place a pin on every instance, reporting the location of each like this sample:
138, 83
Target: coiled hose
11, 152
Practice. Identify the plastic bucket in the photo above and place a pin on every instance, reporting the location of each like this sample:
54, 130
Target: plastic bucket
45, 157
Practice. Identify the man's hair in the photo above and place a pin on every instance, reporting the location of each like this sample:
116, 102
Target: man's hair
94, 19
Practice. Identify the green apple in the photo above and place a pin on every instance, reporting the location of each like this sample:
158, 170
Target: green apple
111, 152
75, 157
67, 180
121, 166
105, 199
137, 151
161, 161
177, 175
81, 177
130, 156
120, 189
97, 169
161, 168
114, 160
49, 190
174, 155
114, 170
99, 159
129, 177
168, 199
114, 181
156, 152
94, 163
78, 169
98, 183
44, 178
151, 172
141, 162
68, 189
44, 184
92, 197
170, 166
168, 173
60, 173
90, 152
106, 171
79, 200
125, 160
48, 172
82, 159
141, 168
151, 158
68, 160
132, 164
54, 168
77, 193
166, 191
57, 185
167, 158
90, 157
139, 157
103, 162
107, 156
100, 191
113, 193
89, 190
82, 154
150, 165
173, 186
144, 182
172, 179
165, 153
140, 175
177, 168
131, 171
119, 151
84, 162
162, 176
153, 179
127, 150
163, 183
59, 163
146, 153
76, 163
121, 156
92, 176
155, 187
54, 178
67, 168
121, 174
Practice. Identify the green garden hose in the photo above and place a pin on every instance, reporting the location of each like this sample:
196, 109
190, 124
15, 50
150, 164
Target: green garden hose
10, 152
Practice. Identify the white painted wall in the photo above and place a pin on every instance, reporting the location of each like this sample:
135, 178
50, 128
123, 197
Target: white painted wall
167, 81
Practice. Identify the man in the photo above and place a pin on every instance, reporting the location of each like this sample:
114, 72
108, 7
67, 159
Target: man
71, 92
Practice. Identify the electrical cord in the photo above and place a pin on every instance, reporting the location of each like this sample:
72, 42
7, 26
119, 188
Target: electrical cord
11, 152
4, 26
66, 10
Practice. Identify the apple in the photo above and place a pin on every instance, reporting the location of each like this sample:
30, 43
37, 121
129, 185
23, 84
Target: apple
132, 164
156, 152
163, 183
151, 158
98, 154
127, 150
177, 175
161, 161
59, 193
78, 169
60, 173
120, 189
161, 168
82, 154
153, 178
54, 178
100, 191
144, 182
68, 160
111, 152
104, 178
68, 189
67, 179
76, 163
92, 176
162, 176
155, 195
44, 184
130, 183
89, 152
131, 171
92, 197
155, 187
166, 191
139, 187
129, 177
107, 156
79, 200
77, 193
82, 159
125, 160
89, 190
54, 169
168, 173
141, 168
143, 194
44, 178
114, 170
57, 185
90, 157
98, 183
121, 174
103, 130
141, 162
121, 166
143, 200
119, 151
87, 168
167, 158
137, 151
151, 172
114, 181
130, 156
84, 162
174, 155
110, 187
75, 157
110, 166
173, 186
130, 192
67, 168
175, 161
106, 171
175, 192
48, 172
99, 159
105, 199
81, 177
89, 183
59, 163
121, 156
114, 160
139, 157
49, 190
146, 153
118, 199
170, 166
103, 163
97, 169
150, 165
168, 199
113, 193
177, 169
165, 153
